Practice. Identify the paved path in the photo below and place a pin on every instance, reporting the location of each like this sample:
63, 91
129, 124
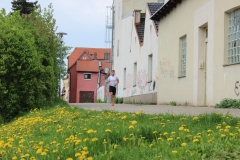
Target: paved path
155, 109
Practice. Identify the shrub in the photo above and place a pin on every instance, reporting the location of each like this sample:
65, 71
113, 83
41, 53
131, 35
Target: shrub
115, 100
173, 103
120, 100
229, 103
99, 100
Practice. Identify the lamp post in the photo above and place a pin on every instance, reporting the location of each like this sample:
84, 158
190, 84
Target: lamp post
60, 34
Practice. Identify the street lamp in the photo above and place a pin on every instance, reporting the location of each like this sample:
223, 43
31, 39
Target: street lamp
60, 34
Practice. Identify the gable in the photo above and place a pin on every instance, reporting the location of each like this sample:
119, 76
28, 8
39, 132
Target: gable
84, 56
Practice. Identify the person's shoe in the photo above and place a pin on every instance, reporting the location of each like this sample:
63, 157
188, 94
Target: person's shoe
112, 104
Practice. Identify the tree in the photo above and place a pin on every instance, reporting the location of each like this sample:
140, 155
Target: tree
23, 6
29, 61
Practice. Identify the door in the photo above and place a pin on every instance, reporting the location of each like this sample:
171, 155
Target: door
205, 67
86, 97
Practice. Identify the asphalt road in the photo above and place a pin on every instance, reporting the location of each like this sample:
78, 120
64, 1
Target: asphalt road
156, 109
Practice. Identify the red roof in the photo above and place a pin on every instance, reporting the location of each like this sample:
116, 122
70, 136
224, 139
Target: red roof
87, 66
75, 55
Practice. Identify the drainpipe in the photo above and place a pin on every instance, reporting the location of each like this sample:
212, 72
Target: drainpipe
113, 15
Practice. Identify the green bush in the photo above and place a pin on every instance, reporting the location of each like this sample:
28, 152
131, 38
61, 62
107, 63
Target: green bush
173, 103
99, 100
105, 100
229, 103
120, 100
115, 100
29, 62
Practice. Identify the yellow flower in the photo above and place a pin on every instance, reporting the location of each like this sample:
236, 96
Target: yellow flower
14, 158
195, 140
77, 154
39, 150
170, 139
155, 132
69, 159
55, 151
115, 146
90, 131
27, 155
195, 118
43, 153
131, 127
85, 148
123, 117
183, 144
231, 134
165, 133
94, 139
138, 113
209, 131
133, 122
228, 127
180, 128
89, 158
150, 145
125, 139
186, 130
173, 132
108, 130
223, 135
210, 141
40, 143
104, 142
174, 151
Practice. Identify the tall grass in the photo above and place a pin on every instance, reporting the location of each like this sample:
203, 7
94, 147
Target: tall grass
64, 132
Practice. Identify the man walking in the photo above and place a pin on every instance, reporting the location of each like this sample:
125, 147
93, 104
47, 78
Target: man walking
113, 82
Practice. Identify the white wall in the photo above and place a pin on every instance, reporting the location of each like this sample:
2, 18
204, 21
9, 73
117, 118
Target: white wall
130, 52
100, 93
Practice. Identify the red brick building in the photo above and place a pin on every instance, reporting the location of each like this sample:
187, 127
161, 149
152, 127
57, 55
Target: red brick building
86, 73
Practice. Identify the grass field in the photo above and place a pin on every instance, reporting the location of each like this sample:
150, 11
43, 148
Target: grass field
70, 133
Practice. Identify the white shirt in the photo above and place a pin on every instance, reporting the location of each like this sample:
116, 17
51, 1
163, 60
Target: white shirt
113, 80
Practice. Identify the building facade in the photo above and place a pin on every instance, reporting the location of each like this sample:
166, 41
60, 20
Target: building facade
135, 50
86, 73
199, 51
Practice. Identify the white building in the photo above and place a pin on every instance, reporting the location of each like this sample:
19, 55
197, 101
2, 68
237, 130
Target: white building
135, 50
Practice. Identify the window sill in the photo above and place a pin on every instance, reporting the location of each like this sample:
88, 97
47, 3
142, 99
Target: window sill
149, 81
87, 79
226, 65
181, 77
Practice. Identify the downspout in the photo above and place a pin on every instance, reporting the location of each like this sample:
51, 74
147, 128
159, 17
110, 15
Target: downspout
113, 15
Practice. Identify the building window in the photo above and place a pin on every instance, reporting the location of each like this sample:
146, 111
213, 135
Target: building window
135, 74
183, 54
118, 48
87, 76
124, 77
150, 68
107, 56
234, 37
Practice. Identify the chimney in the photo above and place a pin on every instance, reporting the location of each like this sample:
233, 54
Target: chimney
137, 16
95, 55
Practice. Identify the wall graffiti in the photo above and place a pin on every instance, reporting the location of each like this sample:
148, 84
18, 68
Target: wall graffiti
129, 84
236, 88
142, 77
134, 91
166, 69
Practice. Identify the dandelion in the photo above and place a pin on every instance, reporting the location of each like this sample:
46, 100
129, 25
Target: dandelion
174, 151
55, 151
223, 135
69, 159
44, 153
183, 144
165, 133
195, 118
14, 158
210, 141
173, 132
209, 131
150, 145
108, 130
231, 134
134, 122
94, 139
85, 148
170, 139
131, 127
89, 158
125, 139
138, 113
228, 127
77, 154
186, 130
115, 146
180, 128
195, 140
154, 132
123, 117
104, 142
159, 138
39, 151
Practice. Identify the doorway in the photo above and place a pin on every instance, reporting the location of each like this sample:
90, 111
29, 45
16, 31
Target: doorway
86, 97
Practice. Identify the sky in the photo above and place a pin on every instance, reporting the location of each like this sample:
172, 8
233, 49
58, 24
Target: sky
82, 20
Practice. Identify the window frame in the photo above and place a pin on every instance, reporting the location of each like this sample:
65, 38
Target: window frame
183, 56
150, 69
87, 74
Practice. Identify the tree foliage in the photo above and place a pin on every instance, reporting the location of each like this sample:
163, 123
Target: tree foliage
23, 6
29, 61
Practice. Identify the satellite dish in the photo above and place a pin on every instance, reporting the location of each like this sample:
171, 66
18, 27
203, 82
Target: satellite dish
106, 70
